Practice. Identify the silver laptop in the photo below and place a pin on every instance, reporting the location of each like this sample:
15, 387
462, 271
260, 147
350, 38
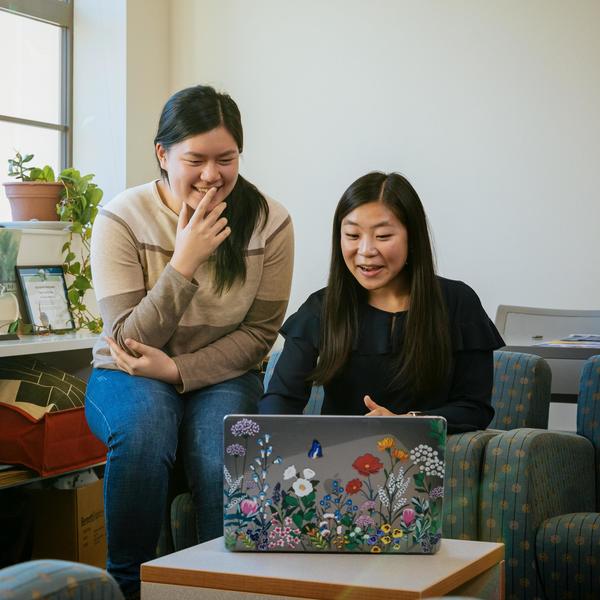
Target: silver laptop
310, 483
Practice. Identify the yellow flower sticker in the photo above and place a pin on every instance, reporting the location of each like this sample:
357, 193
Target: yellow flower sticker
385, 443
375, 549
400, 454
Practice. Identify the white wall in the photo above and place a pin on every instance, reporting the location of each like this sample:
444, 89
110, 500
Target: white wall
489, 108
120, 81
99, 92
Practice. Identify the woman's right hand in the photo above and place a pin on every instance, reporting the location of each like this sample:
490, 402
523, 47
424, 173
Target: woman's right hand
199, 234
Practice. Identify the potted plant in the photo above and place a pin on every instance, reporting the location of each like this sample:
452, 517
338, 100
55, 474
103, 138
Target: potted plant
77, 203
35, 194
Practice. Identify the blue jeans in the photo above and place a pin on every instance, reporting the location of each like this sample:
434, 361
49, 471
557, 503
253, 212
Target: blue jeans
144, 423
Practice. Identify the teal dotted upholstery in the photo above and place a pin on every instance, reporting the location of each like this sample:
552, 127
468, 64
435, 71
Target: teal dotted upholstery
58, 580
464, 460
568, 555
530, 475
588, 411
521, 392
568, 545
183, 522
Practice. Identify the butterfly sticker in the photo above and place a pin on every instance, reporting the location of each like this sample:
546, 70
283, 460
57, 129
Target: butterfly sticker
315, 450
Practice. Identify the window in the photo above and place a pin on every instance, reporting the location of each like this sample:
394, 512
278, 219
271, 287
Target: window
35, 104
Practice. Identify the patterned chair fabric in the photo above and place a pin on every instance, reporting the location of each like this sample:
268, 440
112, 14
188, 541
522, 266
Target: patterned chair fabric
531, 475
521, 392
464, 461
568, 545
568, 556
59, 580
588, 411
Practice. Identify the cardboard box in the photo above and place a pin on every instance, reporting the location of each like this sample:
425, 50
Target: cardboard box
69, 524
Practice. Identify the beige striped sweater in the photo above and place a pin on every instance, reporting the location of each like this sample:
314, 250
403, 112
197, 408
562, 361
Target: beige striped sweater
211, 338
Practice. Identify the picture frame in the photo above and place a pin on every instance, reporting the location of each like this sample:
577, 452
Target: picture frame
45, 299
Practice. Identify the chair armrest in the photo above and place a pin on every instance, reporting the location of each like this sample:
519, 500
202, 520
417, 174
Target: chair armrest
530, 475
464, 466
57, 579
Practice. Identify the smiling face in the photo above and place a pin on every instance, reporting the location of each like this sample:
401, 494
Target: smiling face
197, 164
374, 245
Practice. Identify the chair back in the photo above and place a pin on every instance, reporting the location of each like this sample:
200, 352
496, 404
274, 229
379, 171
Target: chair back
521, 392
315, 402
588, 411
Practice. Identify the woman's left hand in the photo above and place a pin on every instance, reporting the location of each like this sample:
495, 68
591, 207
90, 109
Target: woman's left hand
375, 410
150, 362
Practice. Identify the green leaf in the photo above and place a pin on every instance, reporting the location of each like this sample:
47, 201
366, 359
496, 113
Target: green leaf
81, 283
346, 520
290, 500
26, 158
36, 174
73, 296
297, 518
70, 256
74, 269
419, 479
48, 173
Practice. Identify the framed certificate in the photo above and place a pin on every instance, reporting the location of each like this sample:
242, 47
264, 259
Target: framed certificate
45, 298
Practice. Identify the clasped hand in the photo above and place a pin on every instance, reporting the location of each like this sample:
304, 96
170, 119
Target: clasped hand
148, 362
375, 410
199, 234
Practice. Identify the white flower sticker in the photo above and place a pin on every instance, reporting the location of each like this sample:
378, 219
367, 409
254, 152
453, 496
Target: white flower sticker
308, 473
289, 472
302, 487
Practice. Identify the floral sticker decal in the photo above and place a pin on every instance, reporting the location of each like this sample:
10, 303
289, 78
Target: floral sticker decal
391, 504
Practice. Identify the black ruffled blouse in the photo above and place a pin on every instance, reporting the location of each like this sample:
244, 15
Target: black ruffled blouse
464, 400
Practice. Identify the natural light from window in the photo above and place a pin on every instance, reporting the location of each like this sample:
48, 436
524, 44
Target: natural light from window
31, 90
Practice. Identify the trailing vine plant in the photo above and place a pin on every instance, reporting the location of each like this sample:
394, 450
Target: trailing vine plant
79, 206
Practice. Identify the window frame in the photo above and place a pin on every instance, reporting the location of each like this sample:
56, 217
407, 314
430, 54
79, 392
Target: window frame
60, 13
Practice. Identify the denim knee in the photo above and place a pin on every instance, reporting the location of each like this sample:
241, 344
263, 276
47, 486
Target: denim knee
134, 416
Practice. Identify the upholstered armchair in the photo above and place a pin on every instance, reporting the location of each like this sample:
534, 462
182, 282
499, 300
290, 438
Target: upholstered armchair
540, 495
57, 579
568, 545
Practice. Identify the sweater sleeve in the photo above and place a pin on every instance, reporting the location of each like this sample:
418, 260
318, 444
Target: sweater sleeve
241, 350
127, 308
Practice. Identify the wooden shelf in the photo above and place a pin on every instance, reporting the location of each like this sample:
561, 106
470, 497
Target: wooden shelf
54, 342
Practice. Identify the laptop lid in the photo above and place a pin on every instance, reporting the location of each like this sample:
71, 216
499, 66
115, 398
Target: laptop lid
317, 483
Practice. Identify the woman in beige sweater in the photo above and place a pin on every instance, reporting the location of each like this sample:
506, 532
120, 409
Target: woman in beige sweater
192, 273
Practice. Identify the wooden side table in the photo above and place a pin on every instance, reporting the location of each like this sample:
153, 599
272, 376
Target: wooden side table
210, 572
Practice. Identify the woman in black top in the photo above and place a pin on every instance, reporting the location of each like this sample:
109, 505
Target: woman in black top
387, 336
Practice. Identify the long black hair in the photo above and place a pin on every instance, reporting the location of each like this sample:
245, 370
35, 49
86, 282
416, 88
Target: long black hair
424, 359
197, 110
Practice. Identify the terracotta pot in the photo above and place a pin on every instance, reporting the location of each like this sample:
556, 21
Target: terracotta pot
33, 200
